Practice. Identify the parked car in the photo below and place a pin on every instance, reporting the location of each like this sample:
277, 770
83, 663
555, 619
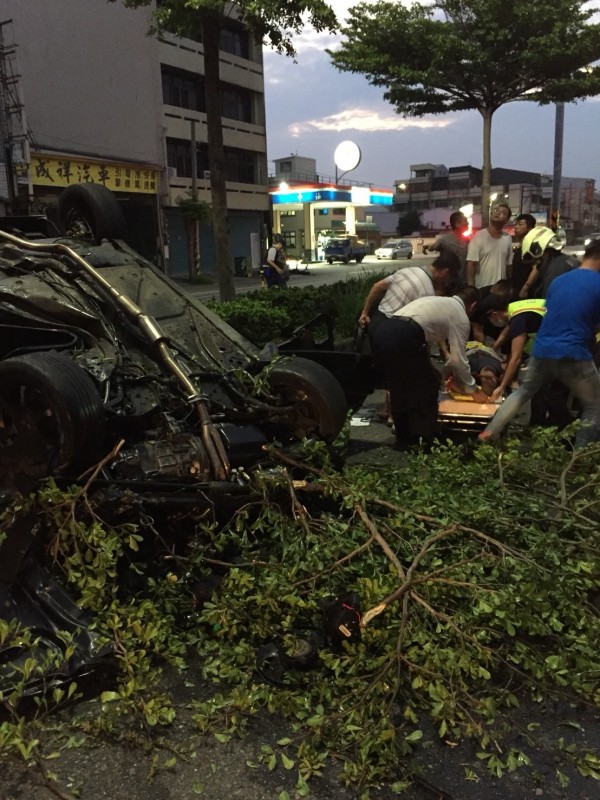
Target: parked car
397, 249
591, 237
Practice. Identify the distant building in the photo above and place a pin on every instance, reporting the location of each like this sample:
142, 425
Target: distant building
308, 207
436, 190
86, 95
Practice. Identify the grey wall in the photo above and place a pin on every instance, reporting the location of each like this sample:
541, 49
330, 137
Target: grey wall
97, 95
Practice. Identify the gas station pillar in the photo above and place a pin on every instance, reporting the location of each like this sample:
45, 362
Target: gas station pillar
310, 251
350, 219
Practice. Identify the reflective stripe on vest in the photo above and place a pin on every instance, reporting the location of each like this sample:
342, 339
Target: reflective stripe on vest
537, 305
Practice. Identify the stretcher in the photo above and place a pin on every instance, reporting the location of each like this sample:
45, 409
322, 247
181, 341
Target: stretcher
458, 412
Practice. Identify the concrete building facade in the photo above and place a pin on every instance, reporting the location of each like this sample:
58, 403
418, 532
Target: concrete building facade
87, 96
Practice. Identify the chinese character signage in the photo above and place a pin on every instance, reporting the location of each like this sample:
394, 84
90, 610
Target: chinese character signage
61, 172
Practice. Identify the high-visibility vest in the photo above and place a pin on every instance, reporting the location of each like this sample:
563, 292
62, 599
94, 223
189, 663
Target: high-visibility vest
537, 305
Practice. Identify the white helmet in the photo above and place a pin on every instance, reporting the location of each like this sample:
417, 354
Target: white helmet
537, 240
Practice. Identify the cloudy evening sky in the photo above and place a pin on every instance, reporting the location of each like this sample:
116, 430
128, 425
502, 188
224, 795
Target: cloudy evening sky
311, 108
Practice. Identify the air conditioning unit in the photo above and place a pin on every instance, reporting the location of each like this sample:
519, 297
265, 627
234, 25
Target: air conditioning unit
171, 172
206, 174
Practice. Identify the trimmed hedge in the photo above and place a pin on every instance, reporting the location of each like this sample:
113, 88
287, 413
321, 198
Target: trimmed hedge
265, 315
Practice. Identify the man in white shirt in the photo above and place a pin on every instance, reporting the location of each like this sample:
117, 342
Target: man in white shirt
400, 345
405, 285
490, 254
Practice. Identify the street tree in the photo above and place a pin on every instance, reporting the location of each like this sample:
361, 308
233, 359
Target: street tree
409, 222
458, 55
272, 22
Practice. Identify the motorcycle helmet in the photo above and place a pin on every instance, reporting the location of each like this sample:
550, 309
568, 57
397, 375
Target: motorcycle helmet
537, 240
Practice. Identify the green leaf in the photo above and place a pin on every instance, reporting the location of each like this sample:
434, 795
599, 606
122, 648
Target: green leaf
288, 763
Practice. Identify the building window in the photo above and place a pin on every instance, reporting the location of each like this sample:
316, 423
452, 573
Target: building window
289, 238
179, 156
240, 165
287, 213
236, 41
182, 88
236, 103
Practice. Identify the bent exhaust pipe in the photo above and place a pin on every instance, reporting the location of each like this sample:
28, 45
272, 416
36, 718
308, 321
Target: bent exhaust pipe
211, 439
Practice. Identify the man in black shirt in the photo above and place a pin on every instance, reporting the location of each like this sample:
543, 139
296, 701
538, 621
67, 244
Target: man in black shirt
520, 271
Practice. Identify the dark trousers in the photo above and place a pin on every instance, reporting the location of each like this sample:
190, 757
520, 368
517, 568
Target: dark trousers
402, 353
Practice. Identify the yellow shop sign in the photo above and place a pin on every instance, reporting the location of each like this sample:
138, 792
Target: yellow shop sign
46, 171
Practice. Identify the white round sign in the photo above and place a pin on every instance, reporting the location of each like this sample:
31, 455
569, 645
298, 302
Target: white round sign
347, 156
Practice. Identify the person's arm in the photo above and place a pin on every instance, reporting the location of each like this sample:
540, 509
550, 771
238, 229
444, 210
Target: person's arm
497, 346
514, 362
443, 345
458, 335
529, 283
509, 260
376, 293
433, 248
472, 269
477, 332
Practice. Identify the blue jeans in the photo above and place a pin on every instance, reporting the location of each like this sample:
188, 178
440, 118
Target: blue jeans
581, 377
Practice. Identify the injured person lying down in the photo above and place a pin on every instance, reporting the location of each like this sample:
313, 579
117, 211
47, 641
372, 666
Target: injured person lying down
486, 366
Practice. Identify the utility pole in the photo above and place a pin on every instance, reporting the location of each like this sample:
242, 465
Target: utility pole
559, 129
14, 142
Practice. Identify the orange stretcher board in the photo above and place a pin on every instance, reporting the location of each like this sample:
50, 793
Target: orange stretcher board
459, 412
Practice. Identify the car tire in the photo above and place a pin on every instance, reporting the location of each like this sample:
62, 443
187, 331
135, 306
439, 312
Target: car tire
318, 400
409, 255
330, 260
53, 416
359, 259
92, 208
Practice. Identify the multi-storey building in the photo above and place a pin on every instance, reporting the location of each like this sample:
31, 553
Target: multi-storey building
436, 190
86, 95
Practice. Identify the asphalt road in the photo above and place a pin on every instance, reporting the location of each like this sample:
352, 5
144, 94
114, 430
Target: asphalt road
320, 273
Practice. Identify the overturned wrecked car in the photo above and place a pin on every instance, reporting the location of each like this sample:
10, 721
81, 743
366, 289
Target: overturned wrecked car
113, 377
98, 349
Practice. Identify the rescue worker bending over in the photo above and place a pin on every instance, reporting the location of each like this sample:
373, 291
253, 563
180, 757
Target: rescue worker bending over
522, 319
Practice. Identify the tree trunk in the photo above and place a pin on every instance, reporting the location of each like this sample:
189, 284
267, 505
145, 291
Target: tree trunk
192, 227
486, 169
216, 157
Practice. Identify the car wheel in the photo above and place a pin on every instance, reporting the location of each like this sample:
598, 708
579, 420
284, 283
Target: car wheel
359, 259
51, 414
318, 402
91, 210
409, 255
330, 260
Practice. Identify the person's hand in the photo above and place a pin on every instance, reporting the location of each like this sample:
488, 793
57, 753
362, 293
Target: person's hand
523, 294
480, 397
363, 320
496, 394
